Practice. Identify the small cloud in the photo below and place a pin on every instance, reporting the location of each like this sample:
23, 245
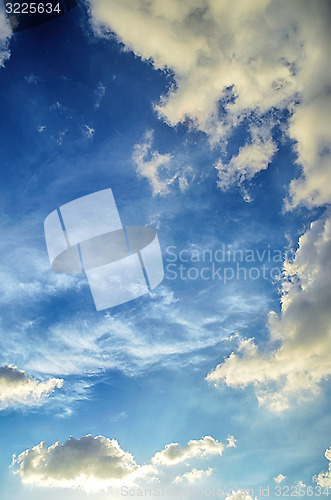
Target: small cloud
174, 453
252, 158
118, 417
301, 484
32, 79
55, 106
280, 478
88, 132
324, 478
61, 137
42, 128
17, 389
159, 169
231, 442
193, 475
99, 92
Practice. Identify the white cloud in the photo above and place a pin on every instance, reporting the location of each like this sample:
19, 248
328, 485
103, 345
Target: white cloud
303, 328
280, 478
5, 34
251, 159
324, 478
310, 127
160, 170
98, 463
215, 55
173, 453
88, 132
231, 442
193, 475
17, 389
151, 164
99, 93
56, 106
301, 484
89, 463
61, 136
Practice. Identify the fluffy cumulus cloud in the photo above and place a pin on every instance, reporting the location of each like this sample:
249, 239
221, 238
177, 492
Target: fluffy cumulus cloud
5, 34
324, 478
17, 389
173, 453
232, 63
193, 475
159, 169
97, 463
302, 332
90, 463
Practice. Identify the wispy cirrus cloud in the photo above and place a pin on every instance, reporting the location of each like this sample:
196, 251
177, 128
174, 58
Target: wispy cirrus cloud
84, 344
89, 463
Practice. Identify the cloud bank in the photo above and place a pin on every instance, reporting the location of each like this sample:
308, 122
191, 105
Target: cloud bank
223, 75
90, 463
17, 389
303, 330
97, 463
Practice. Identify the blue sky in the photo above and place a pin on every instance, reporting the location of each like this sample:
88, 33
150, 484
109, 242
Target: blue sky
212, 126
